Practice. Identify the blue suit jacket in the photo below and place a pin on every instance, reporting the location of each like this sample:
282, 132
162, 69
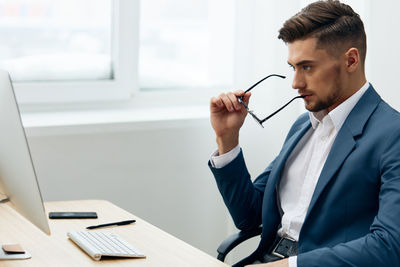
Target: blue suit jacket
354, 215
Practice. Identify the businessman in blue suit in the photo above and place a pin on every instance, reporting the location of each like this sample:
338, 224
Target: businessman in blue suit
331, 197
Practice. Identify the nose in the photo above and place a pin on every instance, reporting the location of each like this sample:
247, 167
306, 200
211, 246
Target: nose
298, 81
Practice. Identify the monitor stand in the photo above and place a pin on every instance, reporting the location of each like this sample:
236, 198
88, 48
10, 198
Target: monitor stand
11, 256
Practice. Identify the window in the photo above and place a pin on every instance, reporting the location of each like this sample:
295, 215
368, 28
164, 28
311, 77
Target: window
70, 50
186, 44
102, 50
56, 41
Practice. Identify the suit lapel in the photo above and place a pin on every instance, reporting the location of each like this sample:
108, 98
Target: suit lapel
345, 142
341, 148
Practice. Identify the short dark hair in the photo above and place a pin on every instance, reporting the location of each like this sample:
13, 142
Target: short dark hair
335, 26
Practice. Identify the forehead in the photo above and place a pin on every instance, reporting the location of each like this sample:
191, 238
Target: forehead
305, 50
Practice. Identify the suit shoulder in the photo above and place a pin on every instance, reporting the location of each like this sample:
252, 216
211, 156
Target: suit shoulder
385, 121
388, 114
388, 110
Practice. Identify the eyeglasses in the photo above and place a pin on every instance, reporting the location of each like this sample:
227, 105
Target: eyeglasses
240, 99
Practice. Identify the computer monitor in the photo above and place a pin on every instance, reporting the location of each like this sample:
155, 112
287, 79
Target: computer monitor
17, 174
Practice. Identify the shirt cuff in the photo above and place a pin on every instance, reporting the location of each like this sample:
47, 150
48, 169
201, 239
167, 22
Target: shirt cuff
220, 161
293, 261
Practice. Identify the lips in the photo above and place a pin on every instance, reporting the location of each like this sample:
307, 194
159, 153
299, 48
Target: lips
305, 96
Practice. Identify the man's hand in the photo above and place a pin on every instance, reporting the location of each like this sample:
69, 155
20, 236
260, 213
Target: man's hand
227, 116
280, 263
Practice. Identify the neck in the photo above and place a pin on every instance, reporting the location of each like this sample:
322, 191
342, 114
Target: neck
355, 83
350, 87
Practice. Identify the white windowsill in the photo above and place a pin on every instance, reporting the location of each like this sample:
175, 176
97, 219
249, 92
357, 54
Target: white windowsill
111, 120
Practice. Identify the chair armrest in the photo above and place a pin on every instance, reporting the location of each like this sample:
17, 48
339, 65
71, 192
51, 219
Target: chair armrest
233, 240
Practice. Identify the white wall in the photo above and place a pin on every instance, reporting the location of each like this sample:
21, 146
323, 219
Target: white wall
383, 49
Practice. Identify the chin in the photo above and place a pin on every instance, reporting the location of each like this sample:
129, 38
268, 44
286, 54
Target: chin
309, 107
316, 105
314, 108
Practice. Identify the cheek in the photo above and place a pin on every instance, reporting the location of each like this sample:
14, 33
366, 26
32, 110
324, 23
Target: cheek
316, 84
324, 81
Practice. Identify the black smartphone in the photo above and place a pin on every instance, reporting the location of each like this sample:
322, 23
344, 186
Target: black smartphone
73, 215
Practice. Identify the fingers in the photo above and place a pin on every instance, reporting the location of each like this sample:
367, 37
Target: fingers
230, 100
216, 102
246, 98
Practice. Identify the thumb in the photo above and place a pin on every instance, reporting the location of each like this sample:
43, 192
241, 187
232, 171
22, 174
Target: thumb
246, 98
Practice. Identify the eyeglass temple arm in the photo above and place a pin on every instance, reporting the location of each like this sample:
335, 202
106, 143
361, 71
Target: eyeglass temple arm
240, 98
262, 121
257, 83
250, 112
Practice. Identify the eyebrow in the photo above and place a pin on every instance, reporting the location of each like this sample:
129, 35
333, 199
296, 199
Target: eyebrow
303, 62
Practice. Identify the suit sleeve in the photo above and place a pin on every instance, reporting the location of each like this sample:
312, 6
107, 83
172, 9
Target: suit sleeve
242, 197
381, 246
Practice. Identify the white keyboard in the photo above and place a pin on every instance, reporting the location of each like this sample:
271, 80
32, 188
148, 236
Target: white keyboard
97, 244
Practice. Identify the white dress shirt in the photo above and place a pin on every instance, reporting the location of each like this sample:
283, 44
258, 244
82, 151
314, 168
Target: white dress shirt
304, 165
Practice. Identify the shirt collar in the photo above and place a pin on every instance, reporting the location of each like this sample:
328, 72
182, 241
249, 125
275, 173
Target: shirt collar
339, 114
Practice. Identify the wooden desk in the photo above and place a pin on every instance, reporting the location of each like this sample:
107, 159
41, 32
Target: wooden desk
161, 248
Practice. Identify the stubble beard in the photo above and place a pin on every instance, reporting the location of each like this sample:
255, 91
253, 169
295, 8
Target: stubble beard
324, 104
332, 99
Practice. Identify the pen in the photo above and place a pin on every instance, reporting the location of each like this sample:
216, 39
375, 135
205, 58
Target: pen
111, 224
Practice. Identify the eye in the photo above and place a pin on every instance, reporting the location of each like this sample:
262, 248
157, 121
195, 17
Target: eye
306, 67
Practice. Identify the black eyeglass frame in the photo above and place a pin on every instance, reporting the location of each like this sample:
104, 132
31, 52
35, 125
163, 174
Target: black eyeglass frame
261, 121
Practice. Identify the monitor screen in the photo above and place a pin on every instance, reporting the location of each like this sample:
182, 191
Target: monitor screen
17, 174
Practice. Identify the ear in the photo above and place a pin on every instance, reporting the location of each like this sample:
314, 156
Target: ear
352, 57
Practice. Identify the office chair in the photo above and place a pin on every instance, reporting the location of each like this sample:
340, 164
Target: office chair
233, 240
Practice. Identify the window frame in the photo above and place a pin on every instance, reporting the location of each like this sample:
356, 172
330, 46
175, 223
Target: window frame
124, 53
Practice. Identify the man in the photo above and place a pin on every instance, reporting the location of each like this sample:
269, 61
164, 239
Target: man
332, 195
